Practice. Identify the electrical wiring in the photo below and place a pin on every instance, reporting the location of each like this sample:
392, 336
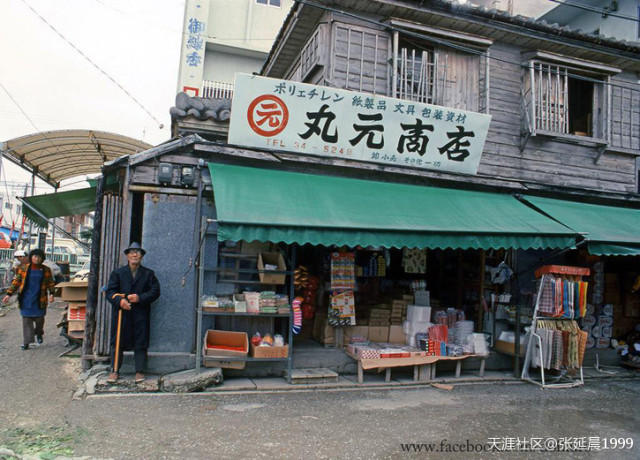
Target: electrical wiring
96, 66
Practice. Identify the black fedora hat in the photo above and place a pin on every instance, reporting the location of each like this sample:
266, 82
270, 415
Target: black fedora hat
135, 245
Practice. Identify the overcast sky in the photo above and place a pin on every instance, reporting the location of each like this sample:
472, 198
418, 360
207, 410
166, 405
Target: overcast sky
137, 42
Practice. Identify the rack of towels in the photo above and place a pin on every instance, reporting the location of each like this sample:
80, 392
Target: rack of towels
562, 298
562, 344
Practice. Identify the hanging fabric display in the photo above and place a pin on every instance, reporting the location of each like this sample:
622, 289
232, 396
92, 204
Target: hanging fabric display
562, 298
562, 345
414, 260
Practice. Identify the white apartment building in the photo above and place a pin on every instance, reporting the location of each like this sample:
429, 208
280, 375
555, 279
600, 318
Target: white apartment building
222, 37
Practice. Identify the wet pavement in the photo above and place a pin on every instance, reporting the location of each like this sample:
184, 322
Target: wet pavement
37, 414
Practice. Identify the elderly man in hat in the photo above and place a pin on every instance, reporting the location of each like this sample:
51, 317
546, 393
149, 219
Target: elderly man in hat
131, 289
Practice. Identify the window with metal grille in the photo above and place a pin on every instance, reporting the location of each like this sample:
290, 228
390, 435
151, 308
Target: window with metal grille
560, 100
415, 73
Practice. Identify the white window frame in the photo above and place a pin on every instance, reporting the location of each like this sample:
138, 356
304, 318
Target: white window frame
268, 3
433, 90
545, 97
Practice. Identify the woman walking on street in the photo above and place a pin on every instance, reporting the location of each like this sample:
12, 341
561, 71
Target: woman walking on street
32, 281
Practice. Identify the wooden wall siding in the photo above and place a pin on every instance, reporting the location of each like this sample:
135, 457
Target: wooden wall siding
360, 59
543, 160
625, 113
458, 74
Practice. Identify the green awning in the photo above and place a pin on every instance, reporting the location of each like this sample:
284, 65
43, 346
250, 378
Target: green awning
290, 207
59, 204
608, 249
609, 230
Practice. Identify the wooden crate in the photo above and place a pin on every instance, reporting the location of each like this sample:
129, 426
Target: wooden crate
269, 352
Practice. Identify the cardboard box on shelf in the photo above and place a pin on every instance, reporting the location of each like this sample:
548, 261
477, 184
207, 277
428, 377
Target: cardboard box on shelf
274, 259
215, 338
73, 291
396, 334
269, 352
76, 305
508, 347
379, 333
74, 325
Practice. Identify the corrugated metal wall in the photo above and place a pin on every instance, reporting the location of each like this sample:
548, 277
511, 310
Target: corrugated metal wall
109, 254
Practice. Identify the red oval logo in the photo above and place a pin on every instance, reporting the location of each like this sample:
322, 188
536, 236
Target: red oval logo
268, 115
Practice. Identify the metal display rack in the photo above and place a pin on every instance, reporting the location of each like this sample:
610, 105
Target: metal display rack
202, 269
564, 380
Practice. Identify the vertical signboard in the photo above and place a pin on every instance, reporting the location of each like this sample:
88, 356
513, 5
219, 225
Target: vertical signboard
194, 33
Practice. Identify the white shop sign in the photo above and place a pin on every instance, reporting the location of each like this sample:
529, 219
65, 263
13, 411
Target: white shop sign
317, 120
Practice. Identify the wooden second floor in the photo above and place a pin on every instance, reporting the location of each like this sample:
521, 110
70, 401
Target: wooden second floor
565, 107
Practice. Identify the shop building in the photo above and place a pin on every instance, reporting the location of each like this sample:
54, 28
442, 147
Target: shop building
325, 212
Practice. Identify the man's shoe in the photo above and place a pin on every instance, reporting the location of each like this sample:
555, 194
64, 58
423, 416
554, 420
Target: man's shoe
24, 347
39, 339
139, 377
113, 377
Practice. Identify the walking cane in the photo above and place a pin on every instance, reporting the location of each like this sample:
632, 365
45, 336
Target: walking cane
117, 354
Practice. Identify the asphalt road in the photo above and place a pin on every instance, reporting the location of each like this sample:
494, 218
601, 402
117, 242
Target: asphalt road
37, 414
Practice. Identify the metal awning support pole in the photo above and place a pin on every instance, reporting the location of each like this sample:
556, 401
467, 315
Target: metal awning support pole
93, 287
33, 187
53, 234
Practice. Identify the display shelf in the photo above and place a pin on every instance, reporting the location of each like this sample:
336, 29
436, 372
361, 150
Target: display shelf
237, 255
240, 358
251, 271
200, 313
253, 315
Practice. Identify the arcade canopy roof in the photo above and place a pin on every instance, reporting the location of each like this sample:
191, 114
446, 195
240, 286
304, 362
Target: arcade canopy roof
57, 155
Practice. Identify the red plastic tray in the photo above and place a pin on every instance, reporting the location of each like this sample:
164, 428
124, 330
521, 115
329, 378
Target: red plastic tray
562, 270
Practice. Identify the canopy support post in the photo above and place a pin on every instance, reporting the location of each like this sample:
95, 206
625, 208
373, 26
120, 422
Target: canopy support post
93, 286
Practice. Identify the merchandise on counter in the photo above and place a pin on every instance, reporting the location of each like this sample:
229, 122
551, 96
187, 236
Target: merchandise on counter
418, 313
461, 330
422, 298
438, 332
480, 346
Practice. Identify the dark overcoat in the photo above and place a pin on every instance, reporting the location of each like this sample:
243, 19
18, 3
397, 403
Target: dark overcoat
134, 333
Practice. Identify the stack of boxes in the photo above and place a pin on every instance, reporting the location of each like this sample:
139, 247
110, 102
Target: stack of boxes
75, 294
379, 317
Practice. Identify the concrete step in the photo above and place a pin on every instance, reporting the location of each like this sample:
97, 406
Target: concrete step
316, 375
